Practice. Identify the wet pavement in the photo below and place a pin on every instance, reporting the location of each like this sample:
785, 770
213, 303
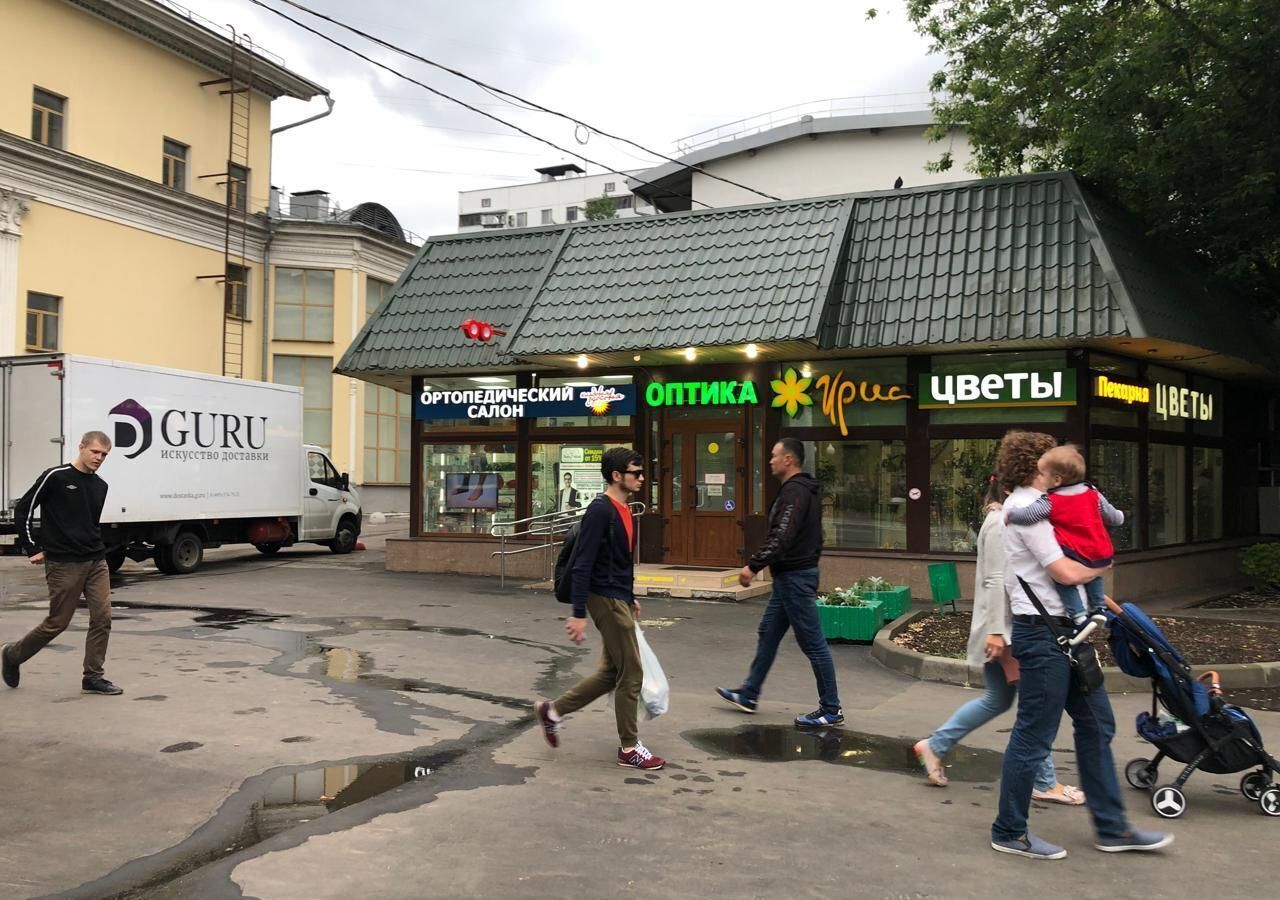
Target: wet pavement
311, 726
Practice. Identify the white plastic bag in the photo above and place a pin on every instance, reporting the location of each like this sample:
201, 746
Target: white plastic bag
654, 691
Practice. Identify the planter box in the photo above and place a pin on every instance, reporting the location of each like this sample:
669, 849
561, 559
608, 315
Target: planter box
896, 601
851, 623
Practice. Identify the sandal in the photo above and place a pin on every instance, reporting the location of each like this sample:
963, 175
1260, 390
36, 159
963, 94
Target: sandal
1066, 794
932, 765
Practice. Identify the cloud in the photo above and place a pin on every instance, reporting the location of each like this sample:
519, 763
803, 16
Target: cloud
652, 72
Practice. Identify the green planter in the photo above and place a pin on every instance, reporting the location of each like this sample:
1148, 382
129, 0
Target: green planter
896, 601
851, 623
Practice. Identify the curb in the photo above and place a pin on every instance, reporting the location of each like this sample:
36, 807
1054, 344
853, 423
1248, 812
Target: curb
957, 671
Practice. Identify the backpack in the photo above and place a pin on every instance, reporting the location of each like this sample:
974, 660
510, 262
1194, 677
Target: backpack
563, 578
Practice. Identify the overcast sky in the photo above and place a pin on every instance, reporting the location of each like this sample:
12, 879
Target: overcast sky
653, 72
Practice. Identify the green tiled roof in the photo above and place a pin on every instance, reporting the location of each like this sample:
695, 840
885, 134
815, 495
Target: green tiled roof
1032, 259
486, 276
723, 277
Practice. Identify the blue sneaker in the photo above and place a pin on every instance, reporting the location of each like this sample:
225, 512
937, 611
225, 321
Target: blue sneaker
1031, 847
738, 699
820, 719
1135, 840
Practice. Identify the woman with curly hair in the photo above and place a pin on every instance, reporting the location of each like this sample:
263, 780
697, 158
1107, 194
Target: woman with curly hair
1046, 688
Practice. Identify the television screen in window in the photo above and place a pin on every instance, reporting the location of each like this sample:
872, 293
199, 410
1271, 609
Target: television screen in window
471, 490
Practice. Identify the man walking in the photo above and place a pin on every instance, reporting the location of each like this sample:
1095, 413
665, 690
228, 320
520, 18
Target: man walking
70, 499
603, 584
791, 552
1046, 687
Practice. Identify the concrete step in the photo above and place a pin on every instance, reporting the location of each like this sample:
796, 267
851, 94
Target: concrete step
689, 583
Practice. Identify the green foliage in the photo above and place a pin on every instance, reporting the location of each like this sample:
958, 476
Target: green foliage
1170, 107
1261, 562
601, 208
853, 595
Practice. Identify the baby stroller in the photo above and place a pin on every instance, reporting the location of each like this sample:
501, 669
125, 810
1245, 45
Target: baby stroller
1200, 729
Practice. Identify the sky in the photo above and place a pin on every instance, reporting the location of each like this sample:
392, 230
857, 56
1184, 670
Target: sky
652, 72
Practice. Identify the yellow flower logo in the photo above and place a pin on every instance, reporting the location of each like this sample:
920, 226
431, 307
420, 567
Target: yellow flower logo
791, 391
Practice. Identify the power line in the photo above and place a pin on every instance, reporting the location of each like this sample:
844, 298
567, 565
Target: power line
464, 104
497, 91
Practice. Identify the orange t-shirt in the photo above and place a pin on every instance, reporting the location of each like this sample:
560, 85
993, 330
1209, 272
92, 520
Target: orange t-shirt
624, 513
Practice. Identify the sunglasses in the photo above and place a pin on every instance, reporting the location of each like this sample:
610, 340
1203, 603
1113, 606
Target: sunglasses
639, 473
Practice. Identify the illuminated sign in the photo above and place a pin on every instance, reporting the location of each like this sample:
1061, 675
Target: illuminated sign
1052, 387
1126, 392
1173, 402
791, 392
701, 393
522, 403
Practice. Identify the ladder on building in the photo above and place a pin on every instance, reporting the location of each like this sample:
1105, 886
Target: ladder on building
234, 276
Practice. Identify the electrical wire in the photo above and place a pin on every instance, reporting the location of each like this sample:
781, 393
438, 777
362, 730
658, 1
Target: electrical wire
499, 92
465, 105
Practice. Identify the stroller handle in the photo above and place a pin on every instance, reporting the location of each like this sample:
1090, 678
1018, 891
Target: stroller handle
1112, 605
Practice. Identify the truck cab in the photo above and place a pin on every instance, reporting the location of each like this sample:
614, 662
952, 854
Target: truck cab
327, 500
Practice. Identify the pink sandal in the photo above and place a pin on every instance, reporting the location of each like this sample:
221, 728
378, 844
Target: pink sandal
932, 765
1066, 794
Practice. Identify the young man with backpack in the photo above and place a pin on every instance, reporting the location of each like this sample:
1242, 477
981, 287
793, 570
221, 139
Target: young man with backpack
599, 580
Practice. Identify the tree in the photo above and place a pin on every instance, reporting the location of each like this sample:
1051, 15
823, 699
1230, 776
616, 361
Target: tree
1169, 107
601, 208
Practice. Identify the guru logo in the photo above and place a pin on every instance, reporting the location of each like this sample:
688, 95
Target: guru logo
132, 428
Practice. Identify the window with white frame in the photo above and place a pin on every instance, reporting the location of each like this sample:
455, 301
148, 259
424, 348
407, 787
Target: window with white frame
304, 305
314, 374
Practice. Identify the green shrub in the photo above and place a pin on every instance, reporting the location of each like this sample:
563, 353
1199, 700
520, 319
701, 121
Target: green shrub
852, 595
1261, 562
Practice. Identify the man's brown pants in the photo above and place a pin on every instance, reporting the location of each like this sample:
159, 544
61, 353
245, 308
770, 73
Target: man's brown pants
619, 670
67, 581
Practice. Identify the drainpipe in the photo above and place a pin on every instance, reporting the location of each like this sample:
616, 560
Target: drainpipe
266, 247
353, 386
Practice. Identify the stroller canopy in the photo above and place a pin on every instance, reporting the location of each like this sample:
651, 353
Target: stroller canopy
1140, 649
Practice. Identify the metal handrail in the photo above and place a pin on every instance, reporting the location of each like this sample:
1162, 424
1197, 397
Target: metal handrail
545, 525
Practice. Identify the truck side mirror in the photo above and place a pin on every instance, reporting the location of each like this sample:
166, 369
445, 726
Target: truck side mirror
345, 481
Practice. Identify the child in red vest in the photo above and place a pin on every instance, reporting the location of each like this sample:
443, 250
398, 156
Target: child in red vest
1079, 515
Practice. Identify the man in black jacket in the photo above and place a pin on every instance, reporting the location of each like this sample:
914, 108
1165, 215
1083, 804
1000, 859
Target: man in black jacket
791, 552
603, 584
70, 499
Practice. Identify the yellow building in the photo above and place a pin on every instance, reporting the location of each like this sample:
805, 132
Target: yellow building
137, 218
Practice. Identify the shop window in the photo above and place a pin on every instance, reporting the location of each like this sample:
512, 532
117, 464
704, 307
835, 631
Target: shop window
468, 488
1211, 408
387, 419
471, 383
999, 364
587, 420
958, 476
567, 476
1113, 467
304, 304
852, 393
1167, 494
1165, 385
1206, 494
314, 374
864, 492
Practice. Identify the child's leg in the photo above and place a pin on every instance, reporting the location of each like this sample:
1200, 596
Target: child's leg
1095, 594
1070, 595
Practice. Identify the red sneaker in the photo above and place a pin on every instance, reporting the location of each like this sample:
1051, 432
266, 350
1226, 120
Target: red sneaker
550, 728
640, 758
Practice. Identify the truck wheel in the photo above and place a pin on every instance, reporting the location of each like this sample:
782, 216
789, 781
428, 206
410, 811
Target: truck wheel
345, 540
115, 559
269, 549
164, 559
184, 554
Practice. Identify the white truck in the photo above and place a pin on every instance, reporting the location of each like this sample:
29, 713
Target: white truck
198, 460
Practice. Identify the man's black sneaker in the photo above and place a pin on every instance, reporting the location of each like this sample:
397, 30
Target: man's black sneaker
11, 672
99, 685
738, 699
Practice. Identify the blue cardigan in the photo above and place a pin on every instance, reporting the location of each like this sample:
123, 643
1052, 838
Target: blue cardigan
602, 562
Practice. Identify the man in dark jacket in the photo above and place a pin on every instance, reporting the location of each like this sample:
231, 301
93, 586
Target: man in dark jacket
70, 499
603, 584
791, 552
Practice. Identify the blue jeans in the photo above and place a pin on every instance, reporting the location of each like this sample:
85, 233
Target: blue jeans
793, 604
997, 698
1093, 591
1045, 690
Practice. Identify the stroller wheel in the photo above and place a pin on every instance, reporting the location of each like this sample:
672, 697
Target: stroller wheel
1168, 802
1254, 784
1270, 801
1140, 774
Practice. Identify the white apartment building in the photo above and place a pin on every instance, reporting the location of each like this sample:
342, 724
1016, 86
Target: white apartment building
559, 196
839, 146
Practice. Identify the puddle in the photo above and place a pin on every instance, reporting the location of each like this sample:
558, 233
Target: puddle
783, 743
311, 793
